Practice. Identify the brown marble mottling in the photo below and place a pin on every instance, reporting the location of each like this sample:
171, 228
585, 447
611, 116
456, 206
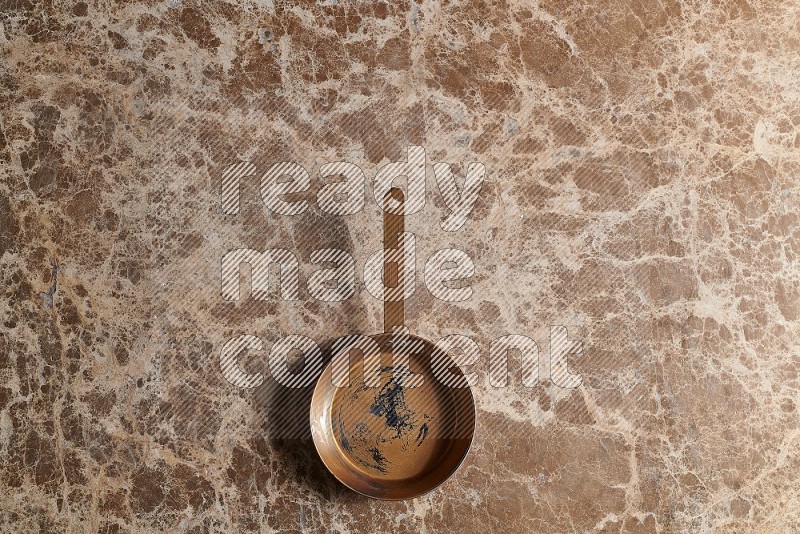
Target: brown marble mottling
643, 190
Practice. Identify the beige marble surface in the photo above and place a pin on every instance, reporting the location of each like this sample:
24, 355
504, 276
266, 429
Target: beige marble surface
642, 189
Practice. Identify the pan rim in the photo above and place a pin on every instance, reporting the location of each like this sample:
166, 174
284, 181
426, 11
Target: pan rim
315, 431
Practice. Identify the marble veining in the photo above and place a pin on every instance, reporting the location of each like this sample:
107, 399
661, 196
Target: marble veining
642, 190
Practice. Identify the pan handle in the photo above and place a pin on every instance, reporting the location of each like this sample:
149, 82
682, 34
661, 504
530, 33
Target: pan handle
393, 257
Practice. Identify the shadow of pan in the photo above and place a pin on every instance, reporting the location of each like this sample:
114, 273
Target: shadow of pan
284, 413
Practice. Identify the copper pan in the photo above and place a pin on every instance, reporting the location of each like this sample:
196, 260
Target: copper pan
399, 420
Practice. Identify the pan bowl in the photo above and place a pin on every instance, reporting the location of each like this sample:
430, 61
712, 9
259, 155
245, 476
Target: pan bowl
397, 425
